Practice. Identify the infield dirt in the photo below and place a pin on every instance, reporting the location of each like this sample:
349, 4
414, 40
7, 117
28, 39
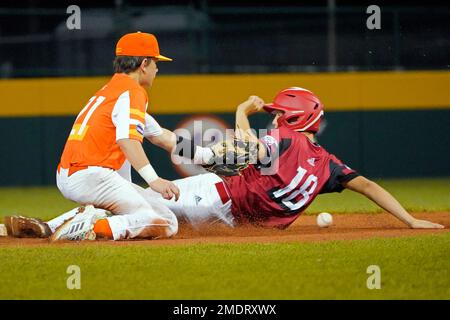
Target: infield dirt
304, 229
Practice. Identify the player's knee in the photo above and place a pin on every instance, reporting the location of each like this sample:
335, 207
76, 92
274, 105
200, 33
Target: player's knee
173, 225
156, 225
159, 228
170, 219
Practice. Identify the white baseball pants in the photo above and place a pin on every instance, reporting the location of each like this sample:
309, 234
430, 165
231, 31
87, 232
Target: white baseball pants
136, 215
200, 200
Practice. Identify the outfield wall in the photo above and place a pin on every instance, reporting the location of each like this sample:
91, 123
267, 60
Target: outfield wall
384, 124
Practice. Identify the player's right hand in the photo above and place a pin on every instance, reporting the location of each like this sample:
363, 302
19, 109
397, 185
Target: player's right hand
166, 188
252, 105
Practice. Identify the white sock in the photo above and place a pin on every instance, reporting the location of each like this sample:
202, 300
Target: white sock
59, 220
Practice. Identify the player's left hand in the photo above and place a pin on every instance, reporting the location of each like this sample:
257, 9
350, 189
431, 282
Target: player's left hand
166, 188
423, 224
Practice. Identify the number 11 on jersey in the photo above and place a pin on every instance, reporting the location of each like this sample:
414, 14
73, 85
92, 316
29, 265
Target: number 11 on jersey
79, 129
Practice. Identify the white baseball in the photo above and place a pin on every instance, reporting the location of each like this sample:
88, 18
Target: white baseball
324, 220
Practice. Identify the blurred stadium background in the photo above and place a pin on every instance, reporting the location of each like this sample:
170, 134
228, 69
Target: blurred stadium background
386, 91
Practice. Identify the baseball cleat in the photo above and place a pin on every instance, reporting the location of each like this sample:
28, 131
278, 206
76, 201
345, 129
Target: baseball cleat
26, 227
81, 226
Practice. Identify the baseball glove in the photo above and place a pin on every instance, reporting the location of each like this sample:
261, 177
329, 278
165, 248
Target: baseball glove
231, 157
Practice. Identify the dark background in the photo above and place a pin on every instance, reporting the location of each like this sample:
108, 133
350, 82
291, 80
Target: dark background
209, 37
226, 36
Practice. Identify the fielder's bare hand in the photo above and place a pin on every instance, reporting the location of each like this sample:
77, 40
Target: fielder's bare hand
166, 188
424, 224
252, 105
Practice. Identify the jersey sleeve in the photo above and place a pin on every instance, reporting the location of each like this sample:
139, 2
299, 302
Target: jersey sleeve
339, 174
152, 127
128, 115
275, 144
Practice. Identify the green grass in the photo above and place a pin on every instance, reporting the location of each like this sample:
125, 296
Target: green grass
414, 194
411, 268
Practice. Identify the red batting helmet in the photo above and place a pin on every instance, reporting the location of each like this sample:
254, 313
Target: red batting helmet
303, 110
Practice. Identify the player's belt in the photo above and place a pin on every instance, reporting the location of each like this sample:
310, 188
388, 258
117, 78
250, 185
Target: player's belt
72, 169
223, 192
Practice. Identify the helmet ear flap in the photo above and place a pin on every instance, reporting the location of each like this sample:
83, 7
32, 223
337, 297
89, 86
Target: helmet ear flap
292, 120
295, 118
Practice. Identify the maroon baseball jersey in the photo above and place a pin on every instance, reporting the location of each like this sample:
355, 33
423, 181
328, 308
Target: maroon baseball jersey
301, 169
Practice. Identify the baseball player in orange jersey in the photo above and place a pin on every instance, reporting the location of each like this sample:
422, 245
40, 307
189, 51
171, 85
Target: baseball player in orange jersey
105, 139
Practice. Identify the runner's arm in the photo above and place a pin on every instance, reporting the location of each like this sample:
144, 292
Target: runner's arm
385, 200
243, 130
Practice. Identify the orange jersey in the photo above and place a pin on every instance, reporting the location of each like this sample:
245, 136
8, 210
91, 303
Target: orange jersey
117, 111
